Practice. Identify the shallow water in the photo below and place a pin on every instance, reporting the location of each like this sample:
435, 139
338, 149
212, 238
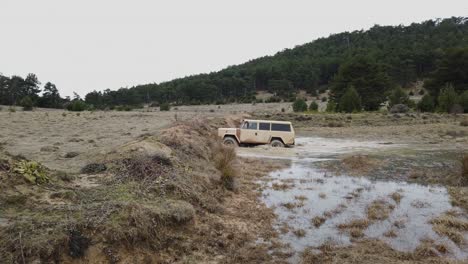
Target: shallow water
312, 192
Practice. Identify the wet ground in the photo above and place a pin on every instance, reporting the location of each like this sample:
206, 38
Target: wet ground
315, 206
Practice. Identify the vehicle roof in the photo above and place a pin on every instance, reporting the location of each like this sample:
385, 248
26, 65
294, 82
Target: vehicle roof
267, 121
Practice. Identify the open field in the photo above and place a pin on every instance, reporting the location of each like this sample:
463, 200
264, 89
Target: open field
155, 187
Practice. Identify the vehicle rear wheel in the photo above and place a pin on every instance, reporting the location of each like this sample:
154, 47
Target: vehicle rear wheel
229, 141
276, 143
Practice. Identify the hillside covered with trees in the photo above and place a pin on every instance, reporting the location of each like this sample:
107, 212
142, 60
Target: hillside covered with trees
372, 63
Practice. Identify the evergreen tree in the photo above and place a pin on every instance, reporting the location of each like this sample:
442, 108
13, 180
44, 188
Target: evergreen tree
368, 78
350, 101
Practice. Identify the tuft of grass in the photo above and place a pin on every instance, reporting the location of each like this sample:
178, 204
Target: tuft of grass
379, 210
396, 196
299, 232
464, 169
356, 223
224, 159
318, 221
464, 123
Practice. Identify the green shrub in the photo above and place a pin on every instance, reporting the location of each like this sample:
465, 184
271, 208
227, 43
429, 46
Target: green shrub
421, 92
350, 101
164, 107
324, 99
77, 106
123, 108
464, 101
299, 106
313, 106
273, 99
27, 103
32, 171
398, 96
447, 99
331, 106
426, 104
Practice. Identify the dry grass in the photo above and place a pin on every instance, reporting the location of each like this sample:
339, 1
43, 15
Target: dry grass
282, 186
464, 169
142, 168
450, 226
379, 210
299, 232
359, 164
374, 251
356, 223
318, 221
396, 196
224, 158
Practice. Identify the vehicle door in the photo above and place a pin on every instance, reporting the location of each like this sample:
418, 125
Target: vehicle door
264, 133
249, 132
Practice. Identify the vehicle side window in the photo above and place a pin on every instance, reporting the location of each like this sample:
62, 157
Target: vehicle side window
281, 127
264, 126
252, 125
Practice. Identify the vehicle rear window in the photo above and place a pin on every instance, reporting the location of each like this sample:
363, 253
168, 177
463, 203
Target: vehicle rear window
281, 127
264, 126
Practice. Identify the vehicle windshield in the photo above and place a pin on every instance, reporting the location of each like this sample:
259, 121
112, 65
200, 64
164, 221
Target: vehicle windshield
249, 125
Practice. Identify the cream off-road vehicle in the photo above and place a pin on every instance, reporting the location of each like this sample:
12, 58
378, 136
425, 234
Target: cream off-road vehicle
255, 132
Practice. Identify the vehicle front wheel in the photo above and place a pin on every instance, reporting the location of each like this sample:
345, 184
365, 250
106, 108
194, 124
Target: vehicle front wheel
229, 141
276, 143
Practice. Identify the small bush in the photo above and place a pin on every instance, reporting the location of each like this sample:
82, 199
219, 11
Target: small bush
77, 106
426, 104
93, 168
27, 103
399, 108
32, 171
11, 109
331, 106
164, 107
282, 110
299, 106
447, 99
313, 106
273, 99
421, 92
324, 99
464, 123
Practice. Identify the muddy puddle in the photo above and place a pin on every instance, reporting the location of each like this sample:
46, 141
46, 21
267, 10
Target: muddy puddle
315, 207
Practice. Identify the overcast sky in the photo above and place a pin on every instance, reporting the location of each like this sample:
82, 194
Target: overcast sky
86, 45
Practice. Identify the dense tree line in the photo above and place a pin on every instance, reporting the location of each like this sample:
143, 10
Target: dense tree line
16, 90
362, 70
373, 62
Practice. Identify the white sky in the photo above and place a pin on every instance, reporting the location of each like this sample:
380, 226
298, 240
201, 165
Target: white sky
85, 45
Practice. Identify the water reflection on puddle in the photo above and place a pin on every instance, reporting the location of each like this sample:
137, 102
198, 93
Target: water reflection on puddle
302, 192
